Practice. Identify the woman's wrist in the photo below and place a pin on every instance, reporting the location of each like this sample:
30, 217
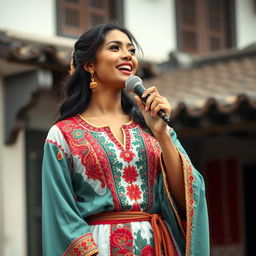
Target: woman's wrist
161, 135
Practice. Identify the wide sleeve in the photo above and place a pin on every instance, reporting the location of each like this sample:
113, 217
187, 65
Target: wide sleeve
64, 230
192, 238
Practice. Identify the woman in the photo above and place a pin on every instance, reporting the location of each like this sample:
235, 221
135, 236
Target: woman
115, 178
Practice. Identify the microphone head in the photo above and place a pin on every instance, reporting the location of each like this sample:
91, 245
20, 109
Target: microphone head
132, 82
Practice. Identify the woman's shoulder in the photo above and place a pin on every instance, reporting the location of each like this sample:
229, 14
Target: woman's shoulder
60, 134
66, 126
66, 123
59, 131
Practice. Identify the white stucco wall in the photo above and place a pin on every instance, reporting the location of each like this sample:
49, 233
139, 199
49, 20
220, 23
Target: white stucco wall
14, 203
152, 22
43, 115
28, 16
1, 171
245, 22
12, 193
154, 26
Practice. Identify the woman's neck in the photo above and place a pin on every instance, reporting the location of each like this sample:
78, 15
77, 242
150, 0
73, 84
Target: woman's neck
107, 103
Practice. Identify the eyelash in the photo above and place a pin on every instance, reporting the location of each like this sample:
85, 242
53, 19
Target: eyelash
133, 51
116, 47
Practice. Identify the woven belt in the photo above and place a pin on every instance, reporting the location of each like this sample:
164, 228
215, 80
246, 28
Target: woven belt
162, 238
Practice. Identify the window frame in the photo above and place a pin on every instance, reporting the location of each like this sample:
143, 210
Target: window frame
115, 14
203, 33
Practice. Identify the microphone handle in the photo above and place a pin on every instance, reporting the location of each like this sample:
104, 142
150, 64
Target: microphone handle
139, 90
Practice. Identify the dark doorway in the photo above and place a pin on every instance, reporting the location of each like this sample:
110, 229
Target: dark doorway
34, 155
250, 207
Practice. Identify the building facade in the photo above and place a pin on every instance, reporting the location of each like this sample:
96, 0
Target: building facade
36, 40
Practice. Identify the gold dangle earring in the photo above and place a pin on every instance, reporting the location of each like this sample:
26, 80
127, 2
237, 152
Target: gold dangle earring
93, 83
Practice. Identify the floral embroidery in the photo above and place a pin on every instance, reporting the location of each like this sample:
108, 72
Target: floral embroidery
143, 247
146, 148
113, 171
121, 239
93, 170
78, 133
106, 163
127, 156
130, 174
133, 192
59, 155
57, 145
148, 251
118, 167
136, 207
95, 173
189, 180
92, 157
81, 246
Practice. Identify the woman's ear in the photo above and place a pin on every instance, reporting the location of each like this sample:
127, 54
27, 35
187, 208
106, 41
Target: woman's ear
88, 67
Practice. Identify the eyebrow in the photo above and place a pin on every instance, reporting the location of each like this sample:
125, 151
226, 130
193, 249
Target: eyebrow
119, 43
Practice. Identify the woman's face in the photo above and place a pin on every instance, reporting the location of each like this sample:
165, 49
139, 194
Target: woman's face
116, 60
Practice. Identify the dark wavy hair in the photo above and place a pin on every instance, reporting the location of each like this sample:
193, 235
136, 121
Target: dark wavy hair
77, 93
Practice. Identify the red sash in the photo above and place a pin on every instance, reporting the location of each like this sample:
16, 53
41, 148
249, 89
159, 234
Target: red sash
162, 237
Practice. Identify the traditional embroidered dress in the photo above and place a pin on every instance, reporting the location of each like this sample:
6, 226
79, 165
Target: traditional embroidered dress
87, 171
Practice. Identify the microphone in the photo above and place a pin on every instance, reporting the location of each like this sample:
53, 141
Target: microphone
135, 84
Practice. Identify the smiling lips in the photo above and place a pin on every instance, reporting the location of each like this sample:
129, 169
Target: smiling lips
125, 68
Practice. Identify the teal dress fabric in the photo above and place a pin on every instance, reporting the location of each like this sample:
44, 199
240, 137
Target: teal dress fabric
86, 171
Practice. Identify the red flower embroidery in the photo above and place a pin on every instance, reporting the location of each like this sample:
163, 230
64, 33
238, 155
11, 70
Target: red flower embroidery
148, 251
82, 245
127, 156
133, 191
95, 173
93, 170
88, 244
191, 178
130, 174
120, 239
135, 207
59, 155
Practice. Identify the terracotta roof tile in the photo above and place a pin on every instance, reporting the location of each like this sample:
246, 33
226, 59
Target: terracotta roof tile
225, 83
29, 52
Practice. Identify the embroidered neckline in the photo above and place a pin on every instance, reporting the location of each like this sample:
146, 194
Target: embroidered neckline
107, 163
107, 129
131, 124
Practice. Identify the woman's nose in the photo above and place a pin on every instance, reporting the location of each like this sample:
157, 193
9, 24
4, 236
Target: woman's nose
126, 55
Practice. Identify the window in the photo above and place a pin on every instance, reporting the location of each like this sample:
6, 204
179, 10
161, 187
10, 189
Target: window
75, 16
204, 26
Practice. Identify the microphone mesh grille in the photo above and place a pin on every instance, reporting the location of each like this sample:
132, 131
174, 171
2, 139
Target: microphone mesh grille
131, 82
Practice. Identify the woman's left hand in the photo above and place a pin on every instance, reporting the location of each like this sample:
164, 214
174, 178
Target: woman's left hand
154, 103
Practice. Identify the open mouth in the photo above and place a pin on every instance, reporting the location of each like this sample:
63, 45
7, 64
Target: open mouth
125, 67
